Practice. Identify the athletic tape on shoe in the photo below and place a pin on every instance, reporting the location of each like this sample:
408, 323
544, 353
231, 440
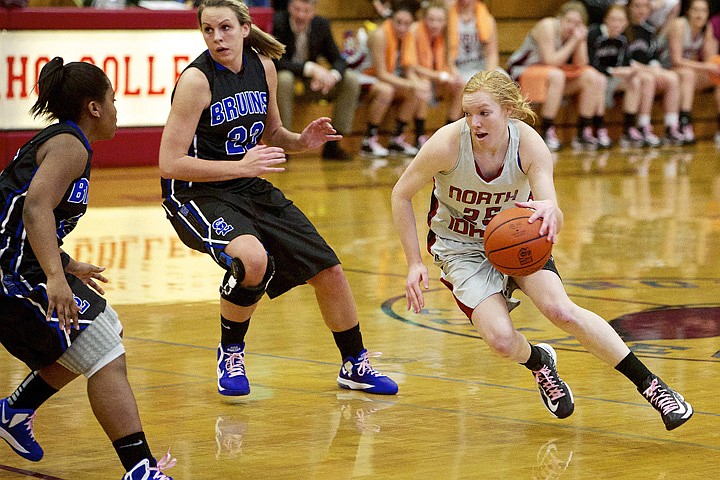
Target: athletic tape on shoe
98, 345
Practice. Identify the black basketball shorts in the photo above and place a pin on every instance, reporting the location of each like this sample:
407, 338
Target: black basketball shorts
26, 334
207, 219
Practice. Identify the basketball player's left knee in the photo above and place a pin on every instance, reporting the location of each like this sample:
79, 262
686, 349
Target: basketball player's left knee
237, 294
98, 345
562, 314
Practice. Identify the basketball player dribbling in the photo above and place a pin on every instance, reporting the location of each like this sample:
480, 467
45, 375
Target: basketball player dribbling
493, 155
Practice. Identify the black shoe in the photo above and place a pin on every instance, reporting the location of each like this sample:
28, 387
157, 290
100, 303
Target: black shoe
555, 394
673, 408
333, 151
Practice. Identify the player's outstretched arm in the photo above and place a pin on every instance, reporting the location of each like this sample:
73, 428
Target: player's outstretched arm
432, 158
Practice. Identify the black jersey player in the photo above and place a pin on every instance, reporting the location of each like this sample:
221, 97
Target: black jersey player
211, 158
51, 314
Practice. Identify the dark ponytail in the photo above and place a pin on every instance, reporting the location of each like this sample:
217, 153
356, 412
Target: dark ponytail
63, 90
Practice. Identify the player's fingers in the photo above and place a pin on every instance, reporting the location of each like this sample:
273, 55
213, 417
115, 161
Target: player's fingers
552, 234
425, 280
98, 276
273, 151
271, 162
72, 311
95, 286
416, 298
535, 215
411, 296
63, 320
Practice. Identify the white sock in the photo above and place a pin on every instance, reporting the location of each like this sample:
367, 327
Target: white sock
672, 119
643, 120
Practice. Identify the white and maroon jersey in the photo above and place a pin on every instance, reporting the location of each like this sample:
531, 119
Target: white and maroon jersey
463, 202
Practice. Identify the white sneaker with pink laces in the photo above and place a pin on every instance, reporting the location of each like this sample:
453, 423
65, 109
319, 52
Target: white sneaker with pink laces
399, 145
371, 147
551, 140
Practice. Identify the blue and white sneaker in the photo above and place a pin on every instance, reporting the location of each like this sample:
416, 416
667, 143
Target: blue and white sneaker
357, 374
144, 471
16, 428
232, 380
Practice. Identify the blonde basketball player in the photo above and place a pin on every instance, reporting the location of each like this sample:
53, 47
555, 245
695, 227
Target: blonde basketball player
489, 161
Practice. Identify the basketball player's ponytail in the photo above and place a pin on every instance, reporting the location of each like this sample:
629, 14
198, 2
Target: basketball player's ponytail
51, 77
63, 90
264, 43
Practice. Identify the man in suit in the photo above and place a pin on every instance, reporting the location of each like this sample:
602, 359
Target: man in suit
307, 38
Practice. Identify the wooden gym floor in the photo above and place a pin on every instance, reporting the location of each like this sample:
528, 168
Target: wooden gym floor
640, 247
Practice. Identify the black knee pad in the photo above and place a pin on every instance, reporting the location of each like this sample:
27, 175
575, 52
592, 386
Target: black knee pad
233, 292
237, 269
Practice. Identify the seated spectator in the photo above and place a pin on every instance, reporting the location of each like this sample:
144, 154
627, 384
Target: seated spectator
432, 60
307, 38
662, 13
393, 76
607, 49
643, 49
687, 36
552, 62
472, 38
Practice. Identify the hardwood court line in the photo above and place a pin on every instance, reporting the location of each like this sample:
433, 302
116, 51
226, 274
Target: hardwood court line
28, 473
386, 307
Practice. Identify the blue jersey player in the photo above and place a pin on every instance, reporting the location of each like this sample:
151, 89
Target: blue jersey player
211, 158
51, 314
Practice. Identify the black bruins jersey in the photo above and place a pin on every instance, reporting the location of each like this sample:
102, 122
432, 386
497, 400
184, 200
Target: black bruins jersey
235, 120
16, 254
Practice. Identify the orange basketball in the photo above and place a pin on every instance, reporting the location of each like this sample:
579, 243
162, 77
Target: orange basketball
514, 246
715, 78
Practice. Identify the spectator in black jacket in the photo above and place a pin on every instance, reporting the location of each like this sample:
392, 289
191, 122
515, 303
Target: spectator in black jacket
307, 39
607, 52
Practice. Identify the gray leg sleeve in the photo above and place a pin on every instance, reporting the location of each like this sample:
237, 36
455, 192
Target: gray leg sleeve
98, 345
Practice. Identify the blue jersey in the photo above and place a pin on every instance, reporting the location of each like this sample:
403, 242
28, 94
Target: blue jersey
16, 254
235, 120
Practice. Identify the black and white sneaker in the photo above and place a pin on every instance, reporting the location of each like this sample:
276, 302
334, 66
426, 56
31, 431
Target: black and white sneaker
673, 408
555, 394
